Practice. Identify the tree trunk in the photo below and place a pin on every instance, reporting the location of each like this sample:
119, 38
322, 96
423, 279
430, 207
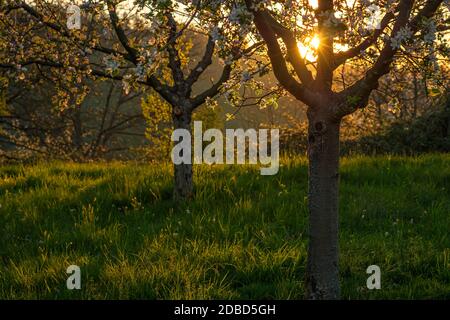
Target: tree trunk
183, 175
322, 275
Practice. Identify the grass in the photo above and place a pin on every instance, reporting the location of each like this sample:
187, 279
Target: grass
243, 237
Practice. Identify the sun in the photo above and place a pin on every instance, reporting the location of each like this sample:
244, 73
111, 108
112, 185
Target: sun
309, 47
314, 3
315, 42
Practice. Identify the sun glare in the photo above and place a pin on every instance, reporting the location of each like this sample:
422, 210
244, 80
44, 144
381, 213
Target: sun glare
309, 47
314, 3
315, 42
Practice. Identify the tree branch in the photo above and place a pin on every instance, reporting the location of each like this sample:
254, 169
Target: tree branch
277, 58
123, 39
294, 57
174, 57
203, 63
357, 95
342, 57
325, 54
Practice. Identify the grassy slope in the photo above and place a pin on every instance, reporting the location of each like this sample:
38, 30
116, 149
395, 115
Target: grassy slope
243, 237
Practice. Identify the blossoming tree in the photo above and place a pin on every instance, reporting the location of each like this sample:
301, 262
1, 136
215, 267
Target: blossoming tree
142, 43
338, 32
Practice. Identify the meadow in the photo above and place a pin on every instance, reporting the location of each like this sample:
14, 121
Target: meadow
244, 236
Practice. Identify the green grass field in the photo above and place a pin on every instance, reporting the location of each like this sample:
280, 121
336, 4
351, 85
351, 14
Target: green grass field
243, 237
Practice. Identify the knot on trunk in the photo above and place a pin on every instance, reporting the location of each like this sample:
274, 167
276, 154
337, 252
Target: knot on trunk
320, 127
177, 111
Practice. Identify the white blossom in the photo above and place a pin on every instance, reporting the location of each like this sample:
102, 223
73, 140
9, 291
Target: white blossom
402, 35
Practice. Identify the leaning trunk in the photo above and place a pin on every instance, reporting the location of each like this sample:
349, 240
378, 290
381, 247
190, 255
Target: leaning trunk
322, 277
183, 176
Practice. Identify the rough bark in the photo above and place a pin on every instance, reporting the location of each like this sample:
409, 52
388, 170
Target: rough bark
183, 174
322, 276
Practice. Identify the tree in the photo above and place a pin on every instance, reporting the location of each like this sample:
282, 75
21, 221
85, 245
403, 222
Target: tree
400, 29
106, 125
142, 45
